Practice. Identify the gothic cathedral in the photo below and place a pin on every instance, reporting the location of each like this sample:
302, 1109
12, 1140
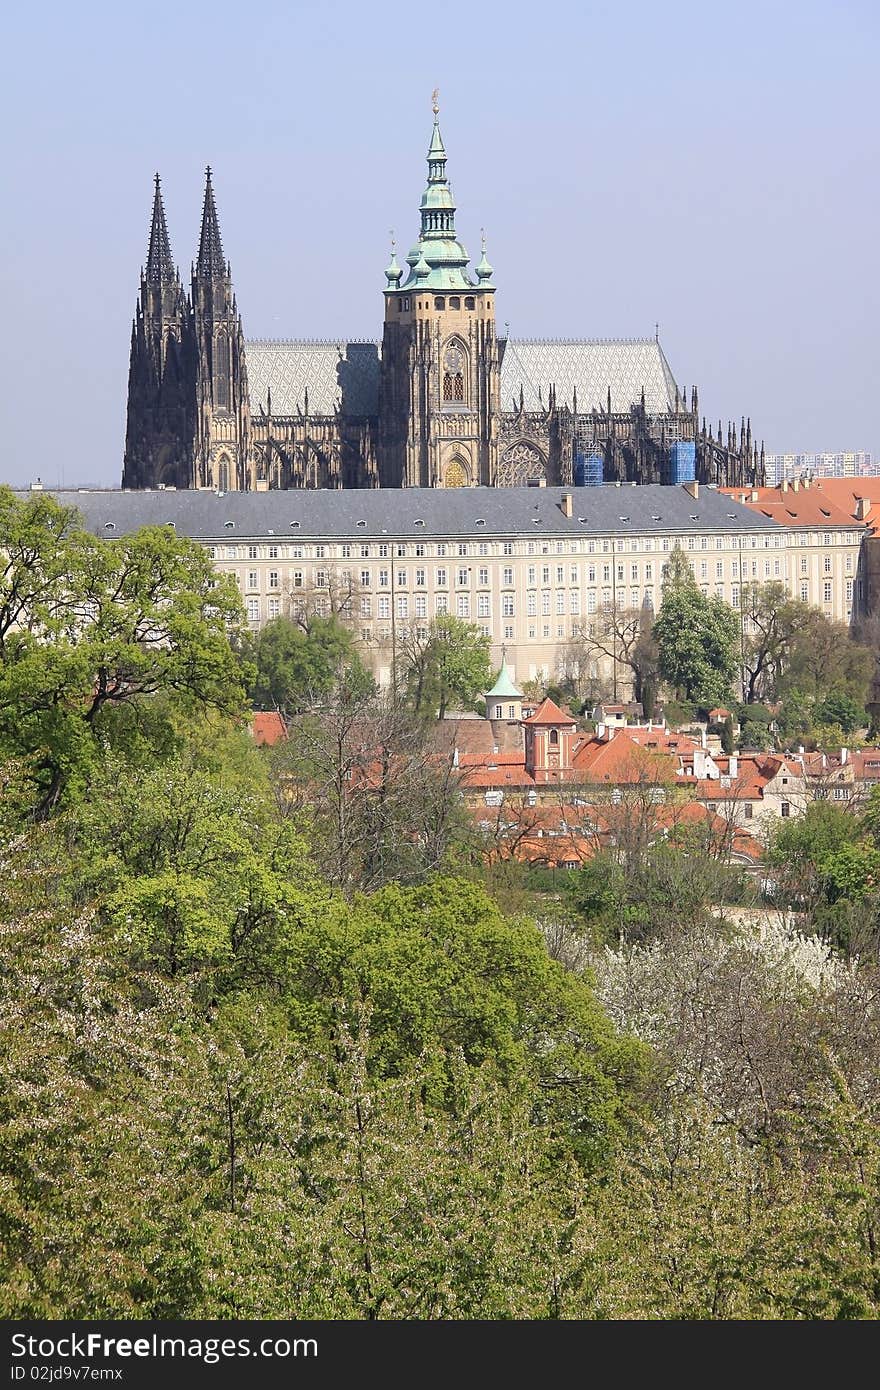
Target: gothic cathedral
444, 402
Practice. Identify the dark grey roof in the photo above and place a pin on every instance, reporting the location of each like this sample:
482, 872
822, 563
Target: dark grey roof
415, 512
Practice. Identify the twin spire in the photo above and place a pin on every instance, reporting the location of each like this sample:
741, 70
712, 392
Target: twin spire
161, 269
160, 263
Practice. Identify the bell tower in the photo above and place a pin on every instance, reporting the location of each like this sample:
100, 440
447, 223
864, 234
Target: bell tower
223, 426
439, 389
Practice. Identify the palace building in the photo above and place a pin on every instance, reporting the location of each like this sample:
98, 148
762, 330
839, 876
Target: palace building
534, 569
443, 401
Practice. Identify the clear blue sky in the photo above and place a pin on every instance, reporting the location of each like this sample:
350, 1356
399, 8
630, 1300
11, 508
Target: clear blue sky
711, 167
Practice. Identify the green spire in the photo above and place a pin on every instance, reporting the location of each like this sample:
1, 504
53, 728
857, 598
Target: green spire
393, 271
483, 268
438, 261
504, 687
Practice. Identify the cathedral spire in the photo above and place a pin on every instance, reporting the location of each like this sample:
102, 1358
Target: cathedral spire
438, 260
210, 260
160, 265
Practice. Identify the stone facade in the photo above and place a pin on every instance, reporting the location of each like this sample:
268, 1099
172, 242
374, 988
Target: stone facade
444, 401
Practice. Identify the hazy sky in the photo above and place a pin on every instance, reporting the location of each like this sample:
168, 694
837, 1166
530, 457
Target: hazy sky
711, 167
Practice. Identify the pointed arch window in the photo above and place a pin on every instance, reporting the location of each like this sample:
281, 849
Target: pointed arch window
453, 374
223, 473
221, 372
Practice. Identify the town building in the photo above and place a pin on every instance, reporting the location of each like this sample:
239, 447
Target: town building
444, 400
854, 463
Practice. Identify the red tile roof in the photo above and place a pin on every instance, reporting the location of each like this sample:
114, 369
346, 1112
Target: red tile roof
549, 713
809, 506
268, 728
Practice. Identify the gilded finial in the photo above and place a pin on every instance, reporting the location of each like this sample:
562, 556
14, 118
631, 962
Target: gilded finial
483, 239
393, 240
435, 101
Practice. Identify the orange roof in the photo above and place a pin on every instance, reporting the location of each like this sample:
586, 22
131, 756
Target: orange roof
846, 493
268, 728
626, 757
549, 713
809, 506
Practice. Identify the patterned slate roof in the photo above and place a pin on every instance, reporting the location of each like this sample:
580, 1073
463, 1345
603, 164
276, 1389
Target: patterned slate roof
417, 513
346, 375
341, 375
590, 368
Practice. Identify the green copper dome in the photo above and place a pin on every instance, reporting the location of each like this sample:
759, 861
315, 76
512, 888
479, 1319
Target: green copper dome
438, 261
393, 271
483, 268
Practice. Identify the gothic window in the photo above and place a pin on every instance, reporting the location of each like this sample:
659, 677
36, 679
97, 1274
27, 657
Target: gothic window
470, 302
455, 302
453, 374
223, 473
520, 464
221, 372
439, 302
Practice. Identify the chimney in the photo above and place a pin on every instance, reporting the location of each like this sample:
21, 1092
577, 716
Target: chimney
692, 488
863, 506
783, 487
753, 497
567, 504
700, 764
844, 754
795, 484
733, 765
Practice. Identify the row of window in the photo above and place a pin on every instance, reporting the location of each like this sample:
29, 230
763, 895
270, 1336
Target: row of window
421, 549
464, 576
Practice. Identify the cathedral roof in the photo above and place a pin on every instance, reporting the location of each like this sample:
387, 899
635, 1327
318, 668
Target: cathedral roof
335, 375
346, 375
591, 368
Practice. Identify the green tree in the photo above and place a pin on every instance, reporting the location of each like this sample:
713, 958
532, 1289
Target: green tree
824, 656
772, 621
449, 664
295, 666
88, 625
696, 637
840, 709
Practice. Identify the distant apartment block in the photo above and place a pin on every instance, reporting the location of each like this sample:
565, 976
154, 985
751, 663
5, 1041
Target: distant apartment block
856, 463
